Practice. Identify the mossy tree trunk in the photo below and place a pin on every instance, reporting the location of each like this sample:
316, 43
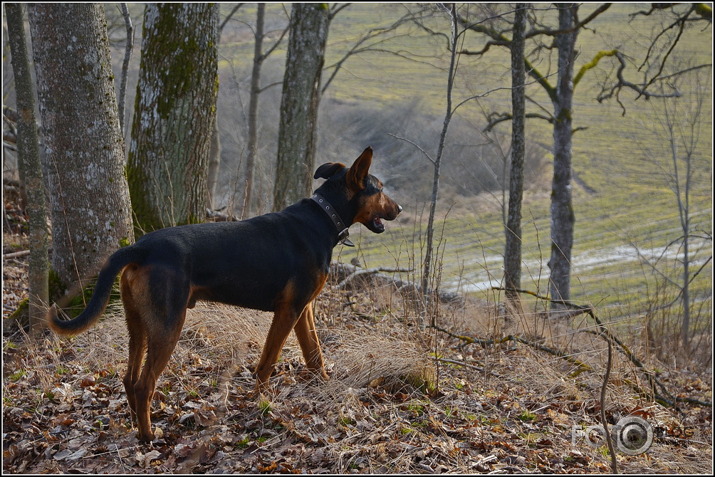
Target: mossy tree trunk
297, 135
29, 155
89, 200
174, 115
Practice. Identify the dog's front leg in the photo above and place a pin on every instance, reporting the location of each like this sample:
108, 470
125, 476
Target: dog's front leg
309, 342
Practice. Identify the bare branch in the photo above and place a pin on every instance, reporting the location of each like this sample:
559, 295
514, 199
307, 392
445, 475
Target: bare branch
577, 26
695, 12
592, 64
640, 89
228, 17
419, 148
335, 9
270, 50
498, 118
486, 48
360, 46
269, 86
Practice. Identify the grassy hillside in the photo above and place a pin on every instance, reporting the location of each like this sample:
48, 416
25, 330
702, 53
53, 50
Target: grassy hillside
622, 198
626, 213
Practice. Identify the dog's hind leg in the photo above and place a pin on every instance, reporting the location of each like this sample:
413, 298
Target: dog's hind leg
163, 316
308, 340
137, 345
160, 347
137, 338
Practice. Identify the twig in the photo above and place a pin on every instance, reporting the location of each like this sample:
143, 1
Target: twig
467, 365
669, 399
488, 342
369, 271
604, 386
344, 269
21, 253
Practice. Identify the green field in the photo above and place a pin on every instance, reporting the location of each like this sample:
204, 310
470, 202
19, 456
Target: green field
622, 200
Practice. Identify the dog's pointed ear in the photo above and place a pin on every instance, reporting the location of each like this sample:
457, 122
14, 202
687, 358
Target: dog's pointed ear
358, 171
328, 170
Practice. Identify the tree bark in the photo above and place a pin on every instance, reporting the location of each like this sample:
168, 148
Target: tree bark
512, 251
562, 214
29, 156
297, 135
253, 109
214, 165
215, 149
174, 115
89, 202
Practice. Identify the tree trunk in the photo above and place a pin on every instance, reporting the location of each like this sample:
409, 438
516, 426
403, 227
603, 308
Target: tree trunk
128, 48
297, 135
562, 214
215, 149
29, 157
89, 203
512, 251
253, 109
214, 165
174, 115
429, 267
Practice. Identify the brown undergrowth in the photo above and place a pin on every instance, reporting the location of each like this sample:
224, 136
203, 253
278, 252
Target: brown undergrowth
400, 399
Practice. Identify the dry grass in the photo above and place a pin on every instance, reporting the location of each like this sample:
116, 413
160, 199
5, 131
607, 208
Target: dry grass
399, 398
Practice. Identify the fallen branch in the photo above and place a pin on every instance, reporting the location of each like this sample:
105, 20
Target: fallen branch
467, 365
379, 277
489, 342
21, 253
369, 271
667, 398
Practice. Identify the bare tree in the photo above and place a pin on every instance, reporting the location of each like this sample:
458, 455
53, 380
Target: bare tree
215, 147
512, 249
29, 158
679, 122
562, 213
300, 98
174, 115
437, 161
259, 56
89, 202
561, 96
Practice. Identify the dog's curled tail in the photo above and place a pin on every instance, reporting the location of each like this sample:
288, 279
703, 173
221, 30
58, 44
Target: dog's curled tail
100, 297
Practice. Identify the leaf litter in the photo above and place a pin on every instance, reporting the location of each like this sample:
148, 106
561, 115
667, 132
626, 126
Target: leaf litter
400, 398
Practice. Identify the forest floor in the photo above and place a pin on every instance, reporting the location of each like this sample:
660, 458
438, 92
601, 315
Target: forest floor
400, 398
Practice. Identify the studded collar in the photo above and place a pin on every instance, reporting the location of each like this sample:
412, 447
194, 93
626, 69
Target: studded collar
340, 225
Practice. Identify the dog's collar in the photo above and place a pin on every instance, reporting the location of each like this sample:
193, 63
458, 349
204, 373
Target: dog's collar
335, 217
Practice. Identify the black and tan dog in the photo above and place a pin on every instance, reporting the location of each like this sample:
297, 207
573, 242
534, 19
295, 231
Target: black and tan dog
275, 262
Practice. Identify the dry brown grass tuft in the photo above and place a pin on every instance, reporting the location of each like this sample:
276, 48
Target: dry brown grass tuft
367, 358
